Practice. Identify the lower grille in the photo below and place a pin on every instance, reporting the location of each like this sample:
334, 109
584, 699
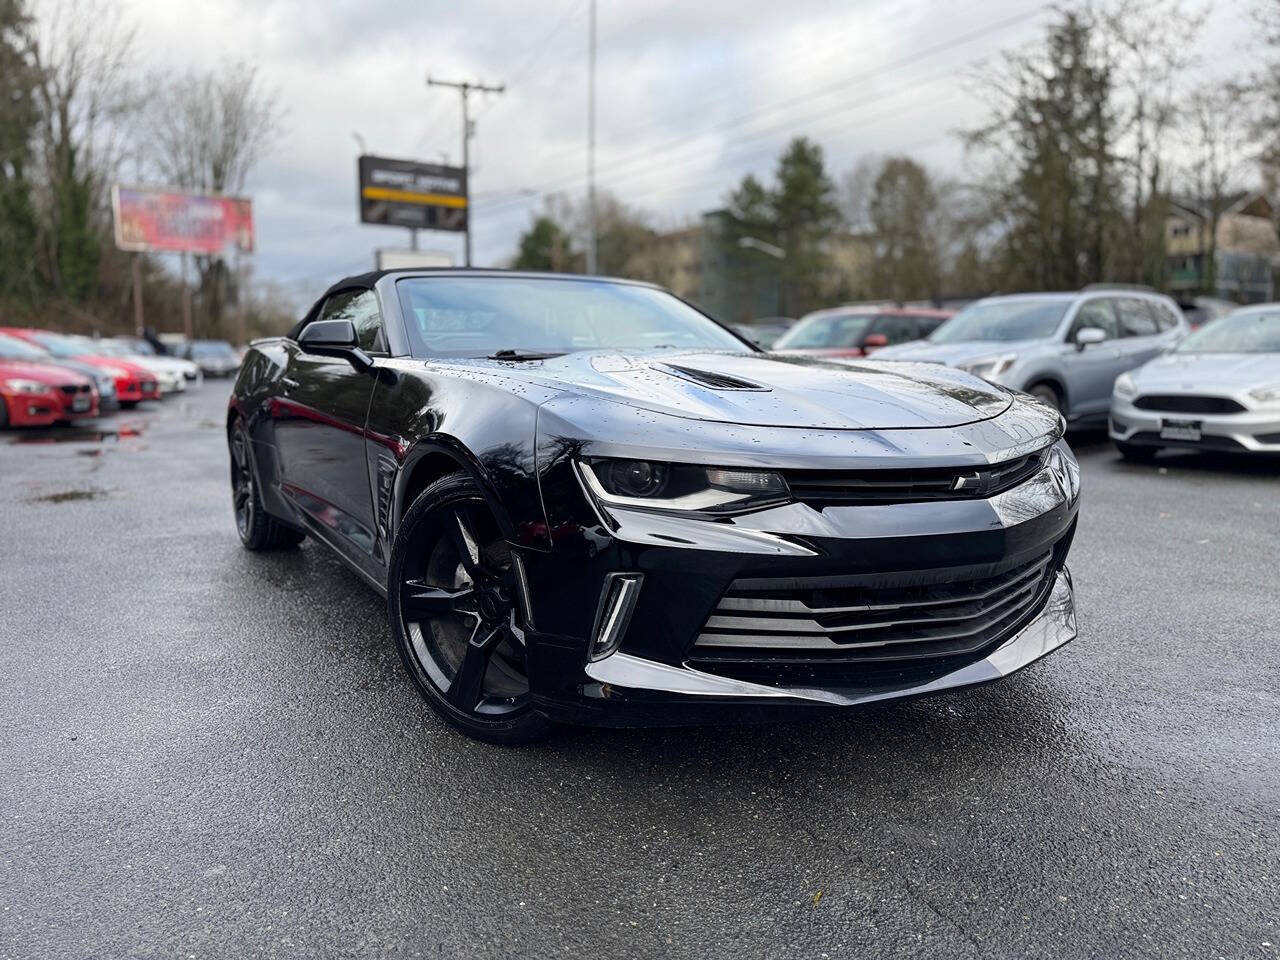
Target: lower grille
866, 622
1186, 404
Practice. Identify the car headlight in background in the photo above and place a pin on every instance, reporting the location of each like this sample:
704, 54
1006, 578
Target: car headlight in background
1125, 387
653, 485
989, 367
1267, 396
1065, 469
33, 388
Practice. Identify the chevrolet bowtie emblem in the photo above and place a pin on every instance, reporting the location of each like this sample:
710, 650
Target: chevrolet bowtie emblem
969, 482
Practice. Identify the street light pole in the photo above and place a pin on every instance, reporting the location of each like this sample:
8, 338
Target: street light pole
464, 88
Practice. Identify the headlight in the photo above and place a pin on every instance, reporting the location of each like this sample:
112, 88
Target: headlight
652, 485
1267, 396
989, 367
1125, 387
1065, 469
30, 387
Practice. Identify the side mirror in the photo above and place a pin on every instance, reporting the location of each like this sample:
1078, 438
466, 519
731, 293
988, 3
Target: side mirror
1088, 335
335, 338
875, 340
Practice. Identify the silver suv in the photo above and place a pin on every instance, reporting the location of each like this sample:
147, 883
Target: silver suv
1064, 348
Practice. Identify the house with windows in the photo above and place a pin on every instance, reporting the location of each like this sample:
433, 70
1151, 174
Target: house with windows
1246, 249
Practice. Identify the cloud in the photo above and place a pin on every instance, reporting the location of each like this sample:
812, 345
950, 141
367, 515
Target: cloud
691, 96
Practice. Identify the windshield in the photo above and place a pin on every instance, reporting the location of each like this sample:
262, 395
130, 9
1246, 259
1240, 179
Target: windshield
212, 348
478, 316
11, 348
826, 330
57, 345
1003, 321
1248, 331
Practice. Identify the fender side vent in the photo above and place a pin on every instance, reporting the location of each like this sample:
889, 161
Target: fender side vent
712, 381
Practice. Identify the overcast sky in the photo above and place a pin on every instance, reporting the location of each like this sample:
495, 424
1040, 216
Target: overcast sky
692, 94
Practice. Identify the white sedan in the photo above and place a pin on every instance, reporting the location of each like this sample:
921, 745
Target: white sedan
1217, 390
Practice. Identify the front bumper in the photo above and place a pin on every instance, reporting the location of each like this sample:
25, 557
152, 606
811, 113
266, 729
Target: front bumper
664, 673
1250, 431
632, 690
31, 410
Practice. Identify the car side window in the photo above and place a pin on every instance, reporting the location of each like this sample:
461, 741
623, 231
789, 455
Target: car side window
361, 308
1163, 315
896, 329
1098, 313
1135, 319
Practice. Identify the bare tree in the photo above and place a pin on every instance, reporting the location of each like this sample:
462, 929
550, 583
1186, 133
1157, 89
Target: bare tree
206, 131
1147, 41
1219, 142
82, 53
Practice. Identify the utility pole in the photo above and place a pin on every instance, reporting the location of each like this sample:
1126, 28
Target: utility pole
593, 265
468, 131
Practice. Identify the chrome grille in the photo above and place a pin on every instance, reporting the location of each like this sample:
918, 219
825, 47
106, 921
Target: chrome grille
939, 617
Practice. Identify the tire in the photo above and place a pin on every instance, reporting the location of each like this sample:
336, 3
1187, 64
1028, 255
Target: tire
451, 600
1136, 453
258, 529
1046, 395
4, 414
128, 404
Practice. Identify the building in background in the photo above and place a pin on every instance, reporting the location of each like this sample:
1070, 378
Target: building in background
1243, 257
705, 265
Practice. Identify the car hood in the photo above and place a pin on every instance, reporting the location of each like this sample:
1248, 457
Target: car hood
40, 372
964, 351
1199, 372
769, 390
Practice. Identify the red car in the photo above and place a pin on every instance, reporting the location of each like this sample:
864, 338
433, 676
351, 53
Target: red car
38, 394
133, 382
858, 331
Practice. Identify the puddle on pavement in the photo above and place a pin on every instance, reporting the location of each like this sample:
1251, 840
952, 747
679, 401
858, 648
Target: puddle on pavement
79, 435
69, 496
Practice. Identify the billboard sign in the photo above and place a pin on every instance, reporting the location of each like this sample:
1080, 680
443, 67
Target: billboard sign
406, 193
171, 221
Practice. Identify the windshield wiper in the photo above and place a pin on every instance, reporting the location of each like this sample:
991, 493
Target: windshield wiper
516, 353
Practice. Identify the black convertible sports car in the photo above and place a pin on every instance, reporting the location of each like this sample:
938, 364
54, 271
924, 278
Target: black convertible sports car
587, 502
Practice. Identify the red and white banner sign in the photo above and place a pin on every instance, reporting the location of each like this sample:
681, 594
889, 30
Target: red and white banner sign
164, 221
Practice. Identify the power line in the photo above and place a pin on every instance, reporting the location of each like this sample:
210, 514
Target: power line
806, 120
742, 119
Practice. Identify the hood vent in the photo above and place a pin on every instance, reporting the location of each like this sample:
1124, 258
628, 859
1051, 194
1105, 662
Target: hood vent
712, 381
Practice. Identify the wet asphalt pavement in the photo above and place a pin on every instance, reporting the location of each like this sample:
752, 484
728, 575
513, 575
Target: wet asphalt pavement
210, 753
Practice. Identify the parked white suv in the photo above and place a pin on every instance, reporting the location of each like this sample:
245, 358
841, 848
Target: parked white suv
1064, 348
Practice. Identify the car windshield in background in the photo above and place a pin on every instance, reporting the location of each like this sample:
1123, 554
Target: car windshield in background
59, 346
1249, 331
1003, 321
480, 316
209, 349
826, 330
11, 348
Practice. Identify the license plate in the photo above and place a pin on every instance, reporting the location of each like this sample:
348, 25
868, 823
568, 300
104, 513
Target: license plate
1180, 430
80, 404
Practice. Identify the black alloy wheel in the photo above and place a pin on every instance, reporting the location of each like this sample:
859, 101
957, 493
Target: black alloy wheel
453, 604
258, 529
